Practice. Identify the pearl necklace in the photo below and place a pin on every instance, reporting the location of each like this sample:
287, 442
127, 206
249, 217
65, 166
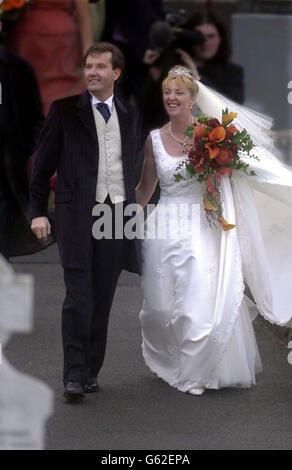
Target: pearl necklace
182, 142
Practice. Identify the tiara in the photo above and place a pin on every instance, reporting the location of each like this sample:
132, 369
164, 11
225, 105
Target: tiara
180, 71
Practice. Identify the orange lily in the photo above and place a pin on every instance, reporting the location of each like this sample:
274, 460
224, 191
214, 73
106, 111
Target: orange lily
218, 134
210, 203
225, 225
210, 185
227, 118
213, 150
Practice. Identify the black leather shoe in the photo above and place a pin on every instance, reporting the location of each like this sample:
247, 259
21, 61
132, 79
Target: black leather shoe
73, 390
91, 385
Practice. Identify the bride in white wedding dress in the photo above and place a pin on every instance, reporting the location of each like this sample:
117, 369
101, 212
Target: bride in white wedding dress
197, 330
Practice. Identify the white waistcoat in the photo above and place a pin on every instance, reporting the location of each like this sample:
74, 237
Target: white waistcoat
110, 178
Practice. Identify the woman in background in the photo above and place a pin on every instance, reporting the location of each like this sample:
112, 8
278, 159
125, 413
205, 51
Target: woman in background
212, 57
52, 35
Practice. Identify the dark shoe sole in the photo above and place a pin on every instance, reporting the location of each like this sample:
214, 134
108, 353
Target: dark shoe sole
91, 389
74, 396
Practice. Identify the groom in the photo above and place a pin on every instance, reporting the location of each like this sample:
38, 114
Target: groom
91, 141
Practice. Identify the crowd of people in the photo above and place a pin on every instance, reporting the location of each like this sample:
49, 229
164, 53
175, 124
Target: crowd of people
53, 35
48, 38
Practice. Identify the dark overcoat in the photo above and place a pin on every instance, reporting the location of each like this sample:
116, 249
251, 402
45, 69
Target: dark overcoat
69, 145
21, 119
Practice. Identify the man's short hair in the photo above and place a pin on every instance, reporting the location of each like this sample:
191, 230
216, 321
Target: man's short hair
118, 60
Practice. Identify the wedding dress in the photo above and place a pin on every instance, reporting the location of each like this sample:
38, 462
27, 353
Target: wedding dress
196, 326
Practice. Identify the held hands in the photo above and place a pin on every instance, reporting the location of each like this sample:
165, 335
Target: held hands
41, 227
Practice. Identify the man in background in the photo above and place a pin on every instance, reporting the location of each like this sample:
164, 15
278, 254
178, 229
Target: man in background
21, 119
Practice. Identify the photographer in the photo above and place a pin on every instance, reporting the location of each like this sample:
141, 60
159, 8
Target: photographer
169, 46
128, 28
212, 56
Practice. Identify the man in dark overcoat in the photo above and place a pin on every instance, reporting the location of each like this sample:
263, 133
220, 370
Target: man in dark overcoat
91, 141
21, 119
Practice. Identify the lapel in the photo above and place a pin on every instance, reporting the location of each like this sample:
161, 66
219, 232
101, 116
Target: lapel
124, 118
85, 114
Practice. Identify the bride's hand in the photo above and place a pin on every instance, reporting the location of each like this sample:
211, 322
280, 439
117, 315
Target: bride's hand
188, 61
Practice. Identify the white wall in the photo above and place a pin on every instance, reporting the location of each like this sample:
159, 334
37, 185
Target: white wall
262, 45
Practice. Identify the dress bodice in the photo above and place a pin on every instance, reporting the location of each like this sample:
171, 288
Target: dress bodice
167, 167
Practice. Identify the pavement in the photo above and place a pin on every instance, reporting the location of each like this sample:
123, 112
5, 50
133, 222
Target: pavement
134, 409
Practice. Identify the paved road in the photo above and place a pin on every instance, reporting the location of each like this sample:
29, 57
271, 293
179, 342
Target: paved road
134, 409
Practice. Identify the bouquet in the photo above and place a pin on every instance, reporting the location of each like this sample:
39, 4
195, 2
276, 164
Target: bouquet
10, 9
213, 155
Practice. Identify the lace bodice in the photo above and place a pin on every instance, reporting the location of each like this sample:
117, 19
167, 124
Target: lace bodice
166, 167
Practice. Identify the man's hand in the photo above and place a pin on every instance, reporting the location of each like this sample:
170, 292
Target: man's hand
150, 56
41, 227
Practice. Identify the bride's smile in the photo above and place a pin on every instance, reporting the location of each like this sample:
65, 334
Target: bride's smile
177, 99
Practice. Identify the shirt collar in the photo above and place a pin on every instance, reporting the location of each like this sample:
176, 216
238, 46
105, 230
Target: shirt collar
109, 101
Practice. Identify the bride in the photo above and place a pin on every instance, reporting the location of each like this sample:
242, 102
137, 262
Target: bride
197, 330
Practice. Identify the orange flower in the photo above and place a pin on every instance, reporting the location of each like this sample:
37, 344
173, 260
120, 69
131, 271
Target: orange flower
198, 168
223, 171
213, 149
10, 4
210, 185
218, 134
228, 118
201, 131
7, 5
224, 157
225, 225
18, 3
231, 129
210, 204
197, 165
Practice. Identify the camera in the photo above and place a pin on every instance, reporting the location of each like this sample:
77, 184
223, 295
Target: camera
170, 34
175, 18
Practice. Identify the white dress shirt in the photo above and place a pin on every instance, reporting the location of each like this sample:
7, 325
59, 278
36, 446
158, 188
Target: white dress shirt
109, 101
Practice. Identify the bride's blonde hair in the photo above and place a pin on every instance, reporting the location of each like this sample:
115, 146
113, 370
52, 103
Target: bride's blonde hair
184, 77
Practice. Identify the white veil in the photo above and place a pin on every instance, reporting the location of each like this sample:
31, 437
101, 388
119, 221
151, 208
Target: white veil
257, 125
261, 207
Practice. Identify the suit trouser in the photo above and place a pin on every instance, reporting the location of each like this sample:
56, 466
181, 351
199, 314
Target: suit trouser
86, 309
